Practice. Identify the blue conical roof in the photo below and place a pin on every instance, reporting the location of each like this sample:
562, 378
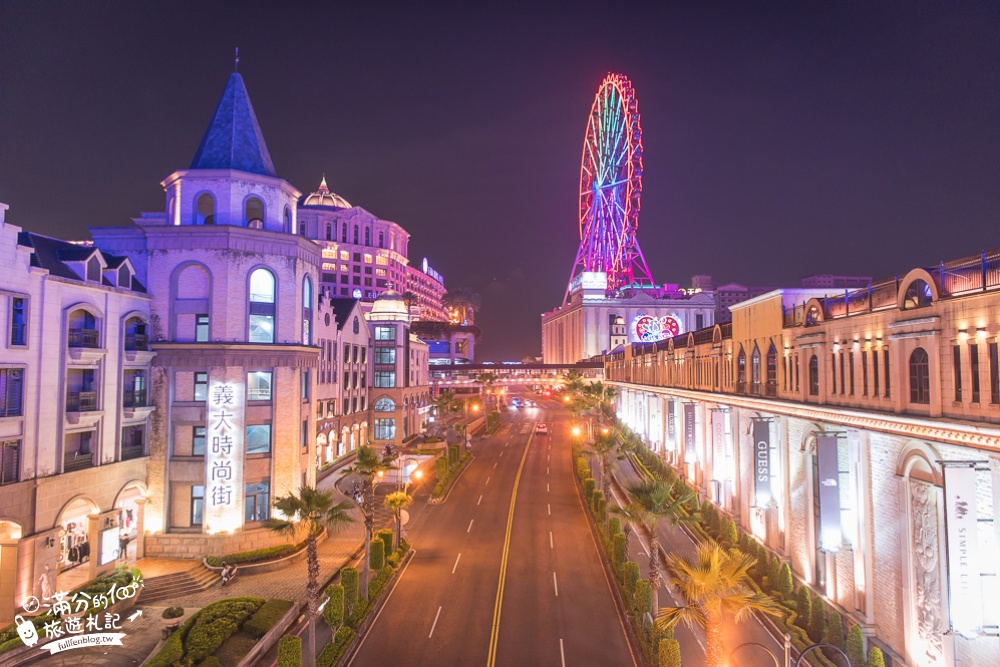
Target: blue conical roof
233, 139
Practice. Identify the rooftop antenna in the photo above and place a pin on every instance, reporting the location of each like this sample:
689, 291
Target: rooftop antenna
237, 67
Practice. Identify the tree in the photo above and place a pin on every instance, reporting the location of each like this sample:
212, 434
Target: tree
444, 402
312, 510
410, 299
712, 584
603, 395
397, 501
856, 646
607, 446
573, 381
875, 657
367, 466
652, 501
487, 380
461, 304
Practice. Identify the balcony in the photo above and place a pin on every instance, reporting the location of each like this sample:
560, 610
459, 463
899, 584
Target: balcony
136, 342
771, 389
77, 461
134, 398
132, 452
741, 387
755, 388
81, 401
88, 338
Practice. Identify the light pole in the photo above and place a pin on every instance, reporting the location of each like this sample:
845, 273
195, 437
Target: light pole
787, 646
813, 647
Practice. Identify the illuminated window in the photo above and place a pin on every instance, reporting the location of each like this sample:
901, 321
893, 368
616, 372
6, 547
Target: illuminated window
920, 382
307, 299
201, 328
918, 295
368, 258
344, 255
256, 501
259, 386
198, 441
262, 309
384, 405
381, 260
201, 386
197, 504
385, 333
385, 379
259, 439
385, 355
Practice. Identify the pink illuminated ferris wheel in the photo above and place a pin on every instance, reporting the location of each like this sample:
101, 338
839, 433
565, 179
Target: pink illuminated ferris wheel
610, 185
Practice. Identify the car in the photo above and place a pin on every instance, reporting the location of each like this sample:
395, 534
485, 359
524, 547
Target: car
531, 404
541, 429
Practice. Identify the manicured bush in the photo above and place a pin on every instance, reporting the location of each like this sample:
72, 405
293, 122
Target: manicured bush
388, 536
349, 580
216, 623
595, 501
333, 612
631, 578
817, 620
618, 553
804, 607
379, 583
265, 617
774, 573
358, 613
376, 558
582, 468
173, 648
589, 485
670, 653
614, 526
289, 651
729, 535
393, 559
453, 454
210, 661
256, 555
441, 468
856, 646
643, 597
875, 657
173, 612
834, 636
785, 583
333, 651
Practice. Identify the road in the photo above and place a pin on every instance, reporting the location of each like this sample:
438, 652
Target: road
514, 512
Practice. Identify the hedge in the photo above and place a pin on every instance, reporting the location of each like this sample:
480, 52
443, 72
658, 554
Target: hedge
589, 485
256, 555
388, 536
173, 648
349, 580
376, 557
289, 651
333, 612
333, 651
214, 625
670, 653
358, 613
379, 583
266, 617
631, 578
643, 603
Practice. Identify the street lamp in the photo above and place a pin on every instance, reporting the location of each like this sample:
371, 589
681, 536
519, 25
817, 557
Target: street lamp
813, 647
788, 644
576, 431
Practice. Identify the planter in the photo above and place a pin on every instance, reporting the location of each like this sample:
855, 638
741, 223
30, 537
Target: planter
250, 569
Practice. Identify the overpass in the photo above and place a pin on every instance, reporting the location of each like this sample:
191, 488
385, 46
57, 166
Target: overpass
461, 376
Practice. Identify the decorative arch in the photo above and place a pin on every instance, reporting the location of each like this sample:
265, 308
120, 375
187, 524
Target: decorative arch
918, 460
94, 507
254, 212
384, 404
910, 286
204, 208
136, 484
815, 313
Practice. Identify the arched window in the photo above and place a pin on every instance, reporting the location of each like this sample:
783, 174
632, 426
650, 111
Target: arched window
329, 232
368, 235
920, 381
813, 376
772, 368
83, 329
918, 295
741, 370
262, 306
343, 233
384, 405
755, 370
135, 335
288, 220
302, 228
253, 213
204, 210
306, 309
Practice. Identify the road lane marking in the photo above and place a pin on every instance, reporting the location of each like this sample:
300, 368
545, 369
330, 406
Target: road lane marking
434, 624
501, 453
562, 653
495, 465
456, 563
488, 480
469, 529
550, 509
546, 487
555, 584
491, 656
546, 470
551, 545
480, 500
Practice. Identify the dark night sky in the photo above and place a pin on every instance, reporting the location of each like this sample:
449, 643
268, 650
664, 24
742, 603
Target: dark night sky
813, 137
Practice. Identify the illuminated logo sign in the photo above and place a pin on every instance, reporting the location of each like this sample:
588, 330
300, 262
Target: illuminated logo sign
594, 280
357, 294
648, 328
224, 458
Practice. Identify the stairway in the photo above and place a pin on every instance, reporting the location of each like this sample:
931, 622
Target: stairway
169, 586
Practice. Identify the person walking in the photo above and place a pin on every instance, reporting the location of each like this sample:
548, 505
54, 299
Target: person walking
123, 547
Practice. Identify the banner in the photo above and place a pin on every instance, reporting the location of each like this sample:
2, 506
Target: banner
762, 462
829, 493
719, 446
671, 428
690, 454
962, 527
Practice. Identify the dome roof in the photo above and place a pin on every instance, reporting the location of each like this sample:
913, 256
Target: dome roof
323, 197
390, 306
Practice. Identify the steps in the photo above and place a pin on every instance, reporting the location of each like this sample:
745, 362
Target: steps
170, 586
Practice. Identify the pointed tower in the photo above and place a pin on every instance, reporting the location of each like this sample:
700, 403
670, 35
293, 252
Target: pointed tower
233, 139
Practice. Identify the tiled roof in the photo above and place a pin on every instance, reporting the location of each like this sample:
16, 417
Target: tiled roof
233, 139
342, 308
52, 254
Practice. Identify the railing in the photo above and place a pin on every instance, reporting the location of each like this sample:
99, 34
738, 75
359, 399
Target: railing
136, 342
884, 295
83, 338
77, 461
258, 394
133, 398
17, 334
771, 389
133, 452
741, 387
81, 401
704, 335
755, 388
10, 464
727, 330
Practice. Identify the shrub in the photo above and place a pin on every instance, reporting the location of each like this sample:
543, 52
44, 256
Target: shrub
358, 613
670, 653
441, 468
856, 646
589, 485
256, 555
266, 617
643, 597
173, 612
332, 652
453, 454
379, 583
393, 559
614, 526
804, 605
210, 661
774, 572
289, 651
215, 624
785, 584
595, 502
333, 612
631, 578
834, 636
582, 468
349, 580
875, 657
173, 648
376, 558
729, 535
618, 553
817, 620
388, 536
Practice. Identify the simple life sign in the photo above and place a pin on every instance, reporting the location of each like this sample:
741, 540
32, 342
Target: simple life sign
224, 457
690, 456
762, 462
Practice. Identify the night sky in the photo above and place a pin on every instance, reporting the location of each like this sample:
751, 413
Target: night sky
779, 141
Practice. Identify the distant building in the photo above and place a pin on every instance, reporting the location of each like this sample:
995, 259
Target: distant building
827, 280
448, 343
427, 289
730, 294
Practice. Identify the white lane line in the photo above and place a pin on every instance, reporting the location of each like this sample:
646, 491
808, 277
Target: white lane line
550, 509
555, 584
551, 545
546, 470
501, 453
434, 624
469, 529
495, 465
562, 653
480, 500
456, 563
488, 480
546, 487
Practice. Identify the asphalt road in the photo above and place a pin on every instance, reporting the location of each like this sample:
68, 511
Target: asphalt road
553, 606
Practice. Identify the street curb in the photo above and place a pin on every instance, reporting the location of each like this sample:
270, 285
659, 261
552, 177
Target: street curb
452, 481
371, 618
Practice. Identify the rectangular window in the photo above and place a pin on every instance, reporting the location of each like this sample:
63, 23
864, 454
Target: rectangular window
198, 441
18, 321
864, 372
364, 402
368, 282
833, 374
347, 379
850, 359
354, 404
385, 379
347, 354
354, 379
305, 429
11, 392
385, 429
364, 381
957, 362
843, 385
259, 439
385, 355
385, 333
974, 370
10, 461
356, 354
343, 279
305, 385
357, 256
364, 355
197, 504
261, 325
885, 367
259, 386
344, 255
994, 374
875, 373
201, 328
201, 386
699, 321
257, 501
356, 280
347, 406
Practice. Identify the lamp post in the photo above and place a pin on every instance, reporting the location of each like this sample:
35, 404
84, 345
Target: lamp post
787, 646
813, 647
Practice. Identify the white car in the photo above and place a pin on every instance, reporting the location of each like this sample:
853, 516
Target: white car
541, 429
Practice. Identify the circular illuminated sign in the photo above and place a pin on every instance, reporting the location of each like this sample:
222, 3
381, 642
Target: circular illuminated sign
648, 328
357, 294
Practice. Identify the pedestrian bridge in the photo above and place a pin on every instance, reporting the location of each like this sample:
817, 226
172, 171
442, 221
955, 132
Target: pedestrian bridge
511, 374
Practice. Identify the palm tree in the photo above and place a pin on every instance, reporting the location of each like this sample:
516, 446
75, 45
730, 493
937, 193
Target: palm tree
397, 501
606, 446
367, 466
444, 402
712, 584
410, 299
603, 395
651, 501
488, 379
462, 303
313, 510
573, 380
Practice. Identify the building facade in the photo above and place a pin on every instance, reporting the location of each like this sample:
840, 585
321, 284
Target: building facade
829, 428
424, 292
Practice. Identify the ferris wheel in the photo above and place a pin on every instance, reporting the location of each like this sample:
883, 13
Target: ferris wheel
610, 186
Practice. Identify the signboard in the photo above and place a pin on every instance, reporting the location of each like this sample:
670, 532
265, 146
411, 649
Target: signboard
109, 546
594, 280
357, 294
829, 493
649, 328
964, 573
224, 458
762, 462
690, 455
671, 426
719, 446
